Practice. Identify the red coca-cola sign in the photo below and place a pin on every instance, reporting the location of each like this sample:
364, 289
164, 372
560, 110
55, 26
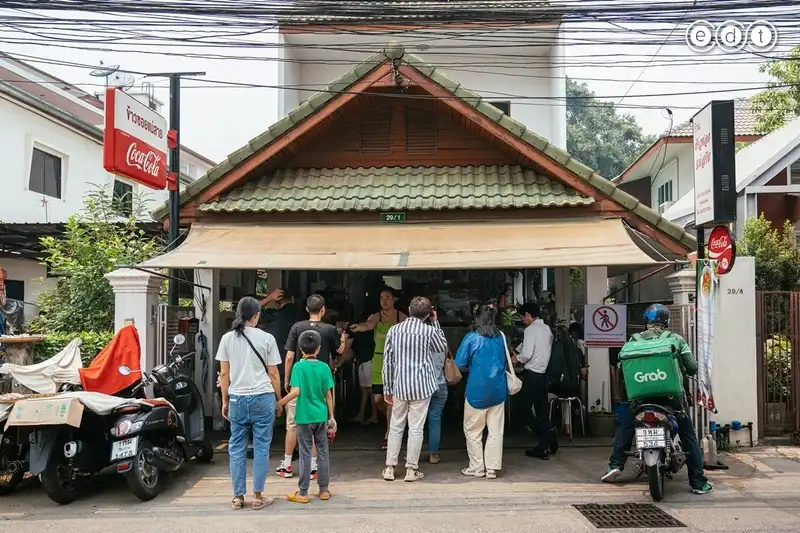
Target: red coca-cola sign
134, 140
722, 249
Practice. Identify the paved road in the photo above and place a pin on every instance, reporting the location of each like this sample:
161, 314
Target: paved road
759, 493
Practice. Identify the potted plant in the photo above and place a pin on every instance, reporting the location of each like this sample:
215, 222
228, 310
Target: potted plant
602, 423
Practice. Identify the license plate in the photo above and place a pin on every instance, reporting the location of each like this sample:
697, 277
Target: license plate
648, 438
122, 449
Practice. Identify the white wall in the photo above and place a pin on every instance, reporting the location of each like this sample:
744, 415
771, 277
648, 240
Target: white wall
734, 374
29, 272
668, 172
288, 76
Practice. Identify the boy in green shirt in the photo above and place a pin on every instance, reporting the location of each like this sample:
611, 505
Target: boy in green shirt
312, 385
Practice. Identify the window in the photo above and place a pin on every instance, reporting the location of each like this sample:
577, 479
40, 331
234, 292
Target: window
665, 193
505, 107
123, 198
15, 290
45, 177
795, 173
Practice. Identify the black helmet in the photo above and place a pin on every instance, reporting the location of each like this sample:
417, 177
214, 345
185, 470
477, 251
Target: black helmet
657, 314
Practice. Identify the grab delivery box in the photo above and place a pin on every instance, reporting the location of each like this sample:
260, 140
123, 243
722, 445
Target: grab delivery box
46, 412
650, 367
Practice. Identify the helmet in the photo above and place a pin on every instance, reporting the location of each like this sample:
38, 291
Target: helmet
657, 314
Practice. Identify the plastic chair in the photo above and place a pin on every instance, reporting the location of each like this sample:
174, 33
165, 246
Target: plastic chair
566, 406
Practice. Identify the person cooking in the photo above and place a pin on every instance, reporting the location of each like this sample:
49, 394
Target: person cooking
380, 323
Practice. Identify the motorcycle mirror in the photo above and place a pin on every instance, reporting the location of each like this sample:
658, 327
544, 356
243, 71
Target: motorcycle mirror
124, 370
178, 339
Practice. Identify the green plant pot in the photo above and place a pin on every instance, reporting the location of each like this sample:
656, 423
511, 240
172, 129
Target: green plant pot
602, 424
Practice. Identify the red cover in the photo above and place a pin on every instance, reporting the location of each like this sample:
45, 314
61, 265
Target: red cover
102, 374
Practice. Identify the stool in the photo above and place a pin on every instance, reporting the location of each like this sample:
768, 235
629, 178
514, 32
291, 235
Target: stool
566, 403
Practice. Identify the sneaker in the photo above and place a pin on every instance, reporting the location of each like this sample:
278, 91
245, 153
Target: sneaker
491, 474
705, 489
473, 473
388, 473
284, 470
412, 474
553, 441
538, 454
612, 475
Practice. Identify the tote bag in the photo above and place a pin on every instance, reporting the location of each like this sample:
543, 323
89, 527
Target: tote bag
514, 383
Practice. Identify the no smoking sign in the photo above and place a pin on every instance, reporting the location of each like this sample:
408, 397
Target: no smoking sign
606, 325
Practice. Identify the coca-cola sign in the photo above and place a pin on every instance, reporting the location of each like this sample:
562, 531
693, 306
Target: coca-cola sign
722, 249
135, 140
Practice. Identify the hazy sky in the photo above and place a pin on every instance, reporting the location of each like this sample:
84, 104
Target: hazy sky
217, 121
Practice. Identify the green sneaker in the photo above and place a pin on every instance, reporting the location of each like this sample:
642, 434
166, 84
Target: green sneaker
705, 489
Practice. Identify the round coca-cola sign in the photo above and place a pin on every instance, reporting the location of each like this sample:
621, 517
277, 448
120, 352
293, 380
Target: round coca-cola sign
722, 249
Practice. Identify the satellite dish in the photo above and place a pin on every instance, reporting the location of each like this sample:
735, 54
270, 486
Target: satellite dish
124, 81
104, 71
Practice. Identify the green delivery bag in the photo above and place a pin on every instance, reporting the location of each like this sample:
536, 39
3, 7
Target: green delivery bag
650, 367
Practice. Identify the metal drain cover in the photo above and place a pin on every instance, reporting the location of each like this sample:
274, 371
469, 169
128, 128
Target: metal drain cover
626, 516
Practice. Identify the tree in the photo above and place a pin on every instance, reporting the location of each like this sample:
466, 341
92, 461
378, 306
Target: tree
95, 242
598, 136
777, 258
779, 103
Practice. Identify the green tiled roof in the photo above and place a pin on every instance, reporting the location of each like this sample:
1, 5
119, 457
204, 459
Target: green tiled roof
397, 188
395, 52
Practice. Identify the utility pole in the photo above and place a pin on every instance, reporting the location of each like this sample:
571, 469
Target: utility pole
174, 169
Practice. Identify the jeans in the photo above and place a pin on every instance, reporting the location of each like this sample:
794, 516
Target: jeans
623, 441
247, 413
307, 435
534, 392
438, 401
414, 413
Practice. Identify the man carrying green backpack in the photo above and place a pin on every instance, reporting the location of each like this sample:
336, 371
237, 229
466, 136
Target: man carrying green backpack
653, 365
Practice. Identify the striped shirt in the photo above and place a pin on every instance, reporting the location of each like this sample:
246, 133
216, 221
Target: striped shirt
409, 368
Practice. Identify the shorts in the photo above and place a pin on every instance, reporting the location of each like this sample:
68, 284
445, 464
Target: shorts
365, 374
377, 389
290, 409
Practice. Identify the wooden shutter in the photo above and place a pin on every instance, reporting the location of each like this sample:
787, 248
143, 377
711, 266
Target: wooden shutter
376, 132
421, 131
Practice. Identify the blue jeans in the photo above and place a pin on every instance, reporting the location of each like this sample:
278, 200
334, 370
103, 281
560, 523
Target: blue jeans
623, 441
435, 410
247, 413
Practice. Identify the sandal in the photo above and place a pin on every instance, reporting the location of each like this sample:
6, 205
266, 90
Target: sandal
260, 503
324, 495
296, 498
237, 503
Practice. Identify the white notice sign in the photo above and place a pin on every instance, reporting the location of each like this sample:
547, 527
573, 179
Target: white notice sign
605, 325
703, 168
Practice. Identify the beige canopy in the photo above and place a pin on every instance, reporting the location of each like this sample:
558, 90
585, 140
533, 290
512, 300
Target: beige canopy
408, 246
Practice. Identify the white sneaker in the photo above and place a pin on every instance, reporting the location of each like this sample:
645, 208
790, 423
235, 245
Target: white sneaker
491, 474
388, 473
612, 475
413, 475
473, 473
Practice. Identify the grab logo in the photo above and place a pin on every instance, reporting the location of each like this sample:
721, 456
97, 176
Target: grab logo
644, 377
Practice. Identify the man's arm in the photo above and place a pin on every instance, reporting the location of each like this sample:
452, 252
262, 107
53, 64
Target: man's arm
526, 352
369, 325
287, 368
273, 296
388, 365
438, 341
688, 361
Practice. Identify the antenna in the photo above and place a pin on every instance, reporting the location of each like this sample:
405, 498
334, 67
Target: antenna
149, 89
104, 71
124, 81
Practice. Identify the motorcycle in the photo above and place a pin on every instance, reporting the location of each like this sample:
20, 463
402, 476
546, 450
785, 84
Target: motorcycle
657, 445
148, 440
60, 373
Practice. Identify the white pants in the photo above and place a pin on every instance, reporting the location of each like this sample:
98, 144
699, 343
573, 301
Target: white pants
493, 418
414, 412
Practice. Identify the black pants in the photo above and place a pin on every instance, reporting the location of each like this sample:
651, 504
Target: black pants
534, 391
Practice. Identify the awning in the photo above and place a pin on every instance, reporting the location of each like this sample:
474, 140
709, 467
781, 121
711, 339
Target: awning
387, 246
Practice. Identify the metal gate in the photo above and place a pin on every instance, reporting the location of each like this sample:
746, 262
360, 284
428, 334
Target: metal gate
682, 322
778, 361
169, 320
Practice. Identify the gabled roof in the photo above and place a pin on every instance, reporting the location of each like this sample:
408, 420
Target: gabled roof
744, 120
385, 65
762, 158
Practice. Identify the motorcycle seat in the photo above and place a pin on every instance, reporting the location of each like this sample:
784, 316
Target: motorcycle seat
158, 402
653, 407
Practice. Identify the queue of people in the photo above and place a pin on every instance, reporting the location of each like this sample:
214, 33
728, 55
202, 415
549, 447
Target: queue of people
406, 376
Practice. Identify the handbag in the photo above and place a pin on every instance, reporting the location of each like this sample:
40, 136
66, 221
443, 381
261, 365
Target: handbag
452, 375
513, 382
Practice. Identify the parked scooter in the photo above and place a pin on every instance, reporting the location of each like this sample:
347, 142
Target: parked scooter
57, 374
148, 441
657, 445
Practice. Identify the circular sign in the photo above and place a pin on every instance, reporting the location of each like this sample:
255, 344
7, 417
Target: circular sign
722, 249
605, 319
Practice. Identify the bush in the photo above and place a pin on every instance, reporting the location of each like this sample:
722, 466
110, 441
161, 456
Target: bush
778, 359
93, 342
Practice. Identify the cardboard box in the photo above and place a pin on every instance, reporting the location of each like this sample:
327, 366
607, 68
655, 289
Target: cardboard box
46, 412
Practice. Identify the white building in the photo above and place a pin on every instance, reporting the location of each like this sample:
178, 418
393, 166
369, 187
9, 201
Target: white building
51, 146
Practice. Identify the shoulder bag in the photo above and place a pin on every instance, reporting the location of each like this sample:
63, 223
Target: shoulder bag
257, 354
513, 382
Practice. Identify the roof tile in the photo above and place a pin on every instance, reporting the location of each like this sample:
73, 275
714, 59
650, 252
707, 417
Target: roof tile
744, 120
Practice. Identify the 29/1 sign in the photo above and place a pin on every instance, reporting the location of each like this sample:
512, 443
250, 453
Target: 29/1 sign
393, 217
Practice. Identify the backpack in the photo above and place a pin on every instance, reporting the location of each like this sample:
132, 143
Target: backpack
650, 367
558, 357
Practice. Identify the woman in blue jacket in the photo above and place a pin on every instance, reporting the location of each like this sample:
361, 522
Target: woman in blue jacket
482, 354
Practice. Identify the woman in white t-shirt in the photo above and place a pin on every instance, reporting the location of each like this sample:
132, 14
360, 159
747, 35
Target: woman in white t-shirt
250, 384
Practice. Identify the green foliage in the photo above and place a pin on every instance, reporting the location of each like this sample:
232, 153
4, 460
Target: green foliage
781, 101
93, 342
778, 359
95, 241
775, 251
598, 136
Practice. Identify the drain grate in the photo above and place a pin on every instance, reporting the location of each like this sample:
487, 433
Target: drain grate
626, 515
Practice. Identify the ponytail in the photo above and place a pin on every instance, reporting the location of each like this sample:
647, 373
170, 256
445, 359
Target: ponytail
247, 308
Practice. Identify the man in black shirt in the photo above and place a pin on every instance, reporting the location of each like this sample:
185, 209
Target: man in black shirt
331, 343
